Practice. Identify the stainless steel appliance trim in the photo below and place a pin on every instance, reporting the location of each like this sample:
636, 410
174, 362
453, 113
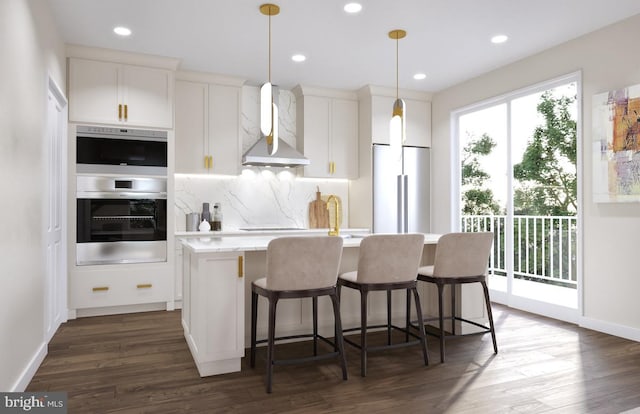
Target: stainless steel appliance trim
121, 252
120, 185
121, 133
120, 169
120, 195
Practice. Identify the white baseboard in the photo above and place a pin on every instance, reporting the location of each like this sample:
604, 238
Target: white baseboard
30, 370
610, 328
116, 310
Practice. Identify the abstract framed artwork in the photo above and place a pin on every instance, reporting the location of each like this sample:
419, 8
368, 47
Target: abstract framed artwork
616, 146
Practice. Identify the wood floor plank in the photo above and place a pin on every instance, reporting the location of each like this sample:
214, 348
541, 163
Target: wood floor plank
140, 363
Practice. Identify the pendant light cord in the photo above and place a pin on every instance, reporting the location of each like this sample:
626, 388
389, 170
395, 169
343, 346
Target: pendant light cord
269, 47
397, 67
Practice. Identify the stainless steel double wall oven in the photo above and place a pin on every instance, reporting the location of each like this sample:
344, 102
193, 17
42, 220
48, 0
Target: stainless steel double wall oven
121, 195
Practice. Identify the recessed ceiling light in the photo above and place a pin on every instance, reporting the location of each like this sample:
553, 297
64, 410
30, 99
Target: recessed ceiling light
419, 76
352, 7
298, 58
499, 39
122, 31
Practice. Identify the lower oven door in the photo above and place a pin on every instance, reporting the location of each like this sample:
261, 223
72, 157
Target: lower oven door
121, 230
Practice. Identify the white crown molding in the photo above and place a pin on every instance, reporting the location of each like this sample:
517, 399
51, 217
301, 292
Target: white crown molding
373, 90
209, 78
304, 90
117, 56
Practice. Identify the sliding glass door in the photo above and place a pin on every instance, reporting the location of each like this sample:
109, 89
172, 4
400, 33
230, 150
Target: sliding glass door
518, 178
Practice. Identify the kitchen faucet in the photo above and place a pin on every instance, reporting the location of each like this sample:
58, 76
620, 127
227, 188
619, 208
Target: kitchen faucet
334, 230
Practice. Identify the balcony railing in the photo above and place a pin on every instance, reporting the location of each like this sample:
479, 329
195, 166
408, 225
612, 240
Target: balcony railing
544, 247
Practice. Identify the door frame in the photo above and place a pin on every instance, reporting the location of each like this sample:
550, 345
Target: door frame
541, 308
55, 288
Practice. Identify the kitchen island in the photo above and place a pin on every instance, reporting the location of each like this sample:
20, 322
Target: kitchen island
218, 271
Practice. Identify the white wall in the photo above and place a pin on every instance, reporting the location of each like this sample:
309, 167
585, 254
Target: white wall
30, 51
608, 60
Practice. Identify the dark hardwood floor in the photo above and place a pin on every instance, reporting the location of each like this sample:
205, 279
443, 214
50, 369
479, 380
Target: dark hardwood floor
140, 363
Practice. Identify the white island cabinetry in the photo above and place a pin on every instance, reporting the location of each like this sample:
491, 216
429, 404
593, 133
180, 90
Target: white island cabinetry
216, 311
213, 310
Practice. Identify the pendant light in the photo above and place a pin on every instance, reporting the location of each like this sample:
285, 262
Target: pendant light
397, 126
268, 109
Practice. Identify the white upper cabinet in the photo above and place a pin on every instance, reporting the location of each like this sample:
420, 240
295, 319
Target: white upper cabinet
418, 118
327, 132
114, 93
207, 127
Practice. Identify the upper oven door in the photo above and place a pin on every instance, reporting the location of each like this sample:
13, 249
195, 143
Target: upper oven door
102, 150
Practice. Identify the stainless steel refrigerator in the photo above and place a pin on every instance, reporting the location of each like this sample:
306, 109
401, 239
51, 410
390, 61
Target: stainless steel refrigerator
401, 186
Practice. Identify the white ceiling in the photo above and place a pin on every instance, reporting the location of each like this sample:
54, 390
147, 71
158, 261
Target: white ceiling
446, 39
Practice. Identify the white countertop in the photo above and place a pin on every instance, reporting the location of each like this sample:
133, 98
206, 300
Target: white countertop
219, 243
266, 231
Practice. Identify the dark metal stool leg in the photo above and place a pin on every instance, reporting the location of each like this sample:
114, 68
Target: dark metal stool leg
254, 317
363, 332
408, 319
490, 314
335, 331
423, 336
314, 300
273, 301
339, 341
441, 317
453, 309
388, 317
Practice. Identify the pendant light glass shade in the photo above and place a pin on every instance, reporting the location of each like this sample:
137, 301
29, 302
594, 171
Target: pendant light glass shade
397, 125
268, 108
269, 117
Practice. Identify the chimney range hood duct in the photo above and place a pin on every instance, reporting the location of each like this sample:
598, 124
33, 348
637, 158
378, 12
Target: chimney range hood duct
286, 156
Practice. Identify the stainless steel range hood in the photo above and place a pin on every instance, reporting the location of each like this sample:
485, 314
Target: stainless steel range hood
286, 156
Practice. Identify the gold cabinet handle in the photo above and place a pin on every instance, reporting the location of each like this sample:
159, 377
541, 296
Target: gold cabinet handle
144, 286
120, 112
240, 266
206, 162
126, 112
100, 288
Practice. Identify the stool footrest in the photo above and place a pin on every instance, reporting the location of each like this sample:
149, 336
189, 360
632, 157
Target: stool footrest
292, 361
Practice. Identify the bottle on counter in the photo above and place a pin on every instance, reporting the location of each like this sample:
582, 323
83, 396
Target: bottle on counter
217, 217
206, 214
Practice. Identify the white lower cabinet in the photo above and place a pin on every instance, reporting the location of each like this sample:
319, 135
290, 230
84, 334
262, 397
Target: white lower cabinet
107, 286
213, 310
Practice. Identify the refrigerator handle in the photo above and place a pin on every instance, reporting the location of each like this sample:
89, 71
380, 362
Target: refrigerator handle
405, 207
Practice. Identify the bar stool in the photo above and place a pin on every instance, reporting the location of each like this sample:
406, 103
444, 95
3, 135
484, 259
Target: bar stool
460, 258
386, 262
298, 267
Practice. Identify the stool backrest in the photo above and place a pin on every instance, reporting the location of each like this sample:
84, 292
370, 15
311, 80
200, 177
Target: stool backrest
298, 263
387, 258
462, 254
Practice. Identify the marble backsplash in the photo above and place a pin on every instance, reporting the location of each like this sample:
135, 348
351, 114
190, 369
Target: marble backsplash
258, 197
